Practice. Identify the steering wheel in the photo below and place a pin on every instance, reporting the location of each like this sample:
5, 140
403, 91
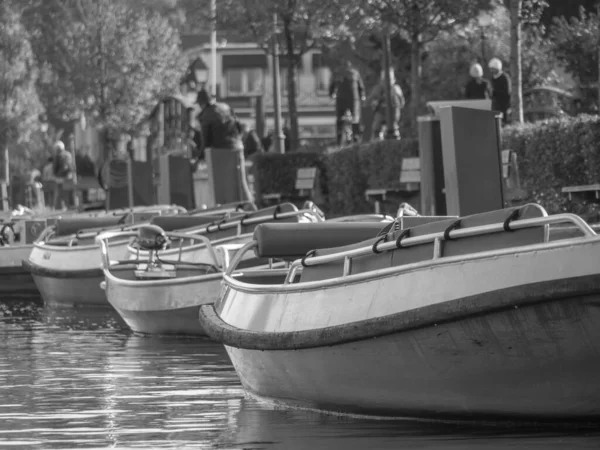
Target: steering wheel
151, 238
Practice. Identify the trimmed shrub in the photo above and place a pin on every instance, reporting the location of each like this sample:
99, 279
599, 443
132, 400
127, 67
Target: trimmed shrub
276, 172
556, 153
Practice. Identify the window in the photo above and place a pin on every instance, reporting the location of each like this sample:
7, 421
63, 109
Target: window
284, 79
323, 78
244, 81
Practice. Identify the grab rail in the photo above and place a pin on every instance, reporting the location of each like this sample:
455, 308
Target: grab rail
103, 238
436, 238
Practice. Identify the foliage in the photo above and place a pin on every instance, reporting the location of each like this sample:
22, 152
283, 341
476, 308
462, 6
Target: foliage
479, 41
556, 153
19, 103
345, 173
104, 58
276, 172
575, 44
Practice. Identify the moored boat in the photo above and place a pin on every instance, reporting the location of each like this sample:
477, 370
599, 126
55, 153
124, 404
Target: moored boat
234, 228
65, 261
482, 317
159, 290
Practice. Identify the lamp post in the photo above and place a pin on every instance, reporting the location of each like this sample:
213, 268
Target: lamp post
279, 137
213, 48
391, 127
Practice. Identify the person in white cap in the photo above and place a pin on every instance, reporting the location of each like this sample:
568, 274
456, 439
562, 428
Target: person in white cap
477, 87
500, 89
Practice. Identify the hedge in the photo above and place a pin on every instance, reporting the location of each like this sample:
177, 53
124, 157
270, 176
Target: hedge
345, 173
556, 153
551, 154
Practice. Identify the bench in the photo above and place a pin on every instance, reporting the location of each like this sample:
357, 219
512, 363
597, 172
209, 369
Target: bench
586, 192
409, 184
305, 185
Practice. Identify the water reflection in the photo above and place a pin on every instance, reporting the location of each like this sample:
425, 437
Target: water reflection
77, 378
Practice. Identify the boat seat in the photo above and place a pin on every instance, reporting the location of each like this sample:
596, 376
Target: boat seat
293, 241
180, 222
268, 214
66, 227
240, 206
424, 252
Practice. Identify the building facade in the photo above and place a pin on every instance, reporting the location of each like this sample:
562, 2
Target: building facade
244, 73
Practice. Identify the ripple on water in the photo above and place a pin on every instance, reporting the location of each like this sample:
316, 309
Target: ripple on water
77, 378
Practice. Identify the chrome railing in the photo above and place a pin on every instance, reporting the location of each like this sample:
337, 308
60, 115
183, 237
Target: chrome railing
435, 238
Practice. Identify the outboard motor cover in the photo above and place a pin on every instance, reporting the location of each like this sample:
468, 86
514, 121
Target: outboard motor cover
152, 237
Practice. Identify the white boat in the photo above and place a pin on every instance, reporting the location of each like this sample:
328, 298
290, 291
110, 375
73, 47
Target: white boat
65, 261
160, 288
232, 229
17, 234
484, 317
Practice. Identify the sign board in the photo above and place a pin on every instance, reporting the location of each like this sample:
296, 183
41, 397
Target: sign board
411, 170
305, 178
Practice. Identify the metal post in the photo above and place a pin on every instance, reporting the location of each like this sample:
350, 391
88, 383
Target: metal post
130, 182
391, 127
213, 47
279, 138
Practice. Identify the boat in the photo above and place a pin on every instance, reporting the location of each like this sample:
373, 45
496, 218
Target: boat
18, 231
161, 289
491, 316
65, 260
232, 228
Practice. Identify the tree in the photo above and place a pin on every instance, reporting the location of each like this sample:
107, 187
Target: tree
105, 59
421, 21
302, 25
19, 102
575, 43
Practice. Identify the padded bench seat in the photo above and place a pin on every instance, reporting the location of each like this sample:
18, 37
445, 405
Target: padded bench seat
66, 227
291, 241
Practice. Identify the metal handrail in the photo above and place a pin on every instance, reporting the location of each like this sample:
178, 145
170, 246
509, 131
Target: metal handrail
239, 255
103, 238
440, 236
436, 238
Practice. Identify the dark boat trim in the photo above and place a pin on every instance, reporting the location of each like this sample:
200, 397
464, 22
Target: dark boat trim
34, 269
489, 302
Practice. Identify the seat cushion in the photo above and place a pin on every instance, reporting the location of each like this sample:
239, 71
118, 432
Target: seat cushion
66, 227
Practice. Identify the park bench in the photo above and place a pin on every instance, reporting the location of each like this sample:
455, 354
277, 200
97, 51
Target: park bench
590, 192
409, 185
305, 186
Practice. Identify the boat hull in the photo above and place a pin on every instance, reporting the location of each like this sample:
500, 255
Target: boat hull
167, 307
71, 289
15, 281
498, 335
71, 276
540, 362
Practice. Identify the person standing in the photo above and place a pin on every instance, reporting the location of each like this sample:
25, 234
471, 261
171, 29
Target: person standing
501, 89
348, 91
477, 87
221, 133
63, 171
377, 99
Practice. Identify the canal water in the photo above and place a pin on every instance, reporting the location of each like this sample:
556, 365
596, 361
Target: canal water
78, 379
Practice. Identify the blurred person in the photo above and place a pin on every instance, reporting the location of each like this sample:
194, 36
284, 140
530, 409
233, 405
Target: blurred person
348, 91
221, 133
377, 100
501, 89
477, 86
251, 141
62, 171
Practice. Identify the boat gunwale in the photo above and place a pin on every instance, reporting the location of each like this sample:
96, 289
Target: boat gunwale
306, 286
474, 305
189, 248
158, 282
